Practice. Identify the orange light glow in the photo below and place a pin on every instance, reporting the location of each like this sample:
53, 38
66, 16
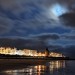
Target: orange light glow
28, 52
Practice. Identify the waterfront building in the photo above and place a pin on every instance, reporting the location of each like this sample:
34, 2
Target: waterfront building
29, 52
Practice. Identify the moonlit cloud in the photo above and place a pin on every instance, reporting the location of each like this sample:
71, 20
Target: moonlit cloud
58, 9
31, 14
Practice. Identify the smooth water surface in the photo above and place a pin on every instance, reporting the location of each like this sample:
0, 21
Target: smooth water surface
49, 68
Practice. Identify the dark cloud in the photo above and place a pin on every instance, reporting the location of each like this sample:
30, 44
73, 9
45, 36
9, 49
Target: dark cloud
22, 43
24, 14
71, 37
46, 36
20, 16
68, 50
68, 19
38, 42
55, 48
28, 14
5, 25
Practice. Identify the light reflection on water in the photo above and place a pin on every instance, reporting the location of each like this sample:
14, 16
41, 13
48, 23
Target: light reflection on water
44, 69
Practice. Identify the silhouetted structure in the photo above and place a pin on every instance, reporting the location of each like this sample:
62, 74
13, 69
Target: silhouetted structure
47, 52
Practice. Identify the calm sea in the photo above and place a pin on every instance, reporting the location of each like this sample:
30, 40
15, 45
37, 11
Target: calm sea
49, 68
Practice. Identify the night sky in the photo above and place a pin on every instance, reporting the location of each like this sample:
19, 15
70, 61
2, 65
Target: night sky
38, 24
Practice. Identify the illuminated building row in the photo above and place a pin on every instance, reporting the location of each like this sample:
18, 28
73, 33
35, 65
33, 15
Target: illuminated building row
53, 54
27, 52
14, 51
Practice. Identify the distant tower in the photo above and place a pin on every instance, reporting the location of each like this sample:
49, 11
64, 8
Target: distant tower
46, 52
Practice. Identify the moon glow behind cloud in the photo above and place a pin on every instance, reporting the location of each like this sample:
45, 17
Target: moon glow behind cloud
58, 10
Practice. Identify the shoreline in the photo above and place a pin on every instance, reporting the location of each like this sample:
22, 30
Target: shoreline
30, 60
